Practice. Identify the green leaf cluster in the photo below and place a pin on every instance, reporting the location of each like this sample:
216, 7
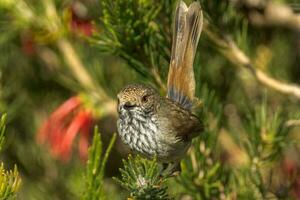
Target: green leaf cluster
96, 168
9, 180
142, 178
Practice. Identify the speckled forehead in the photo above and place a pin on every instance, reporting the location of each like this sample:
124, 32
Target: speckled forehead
131, 92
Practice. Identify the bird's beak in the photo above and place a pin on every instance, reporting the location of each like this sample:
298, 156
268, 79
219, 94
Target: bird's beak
125, 106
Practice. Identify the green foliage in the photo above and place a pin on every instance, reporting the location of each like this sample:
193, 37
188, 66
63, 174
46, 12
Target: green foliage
9, 183
202, 174
95, 168
267, 133
2, 130
266, 136
9, 180
240, 155
226, 165
201, 177
139, 32
142, 178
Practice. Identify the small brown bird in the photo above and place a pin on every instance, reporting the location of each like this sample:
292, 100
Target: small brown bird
164, 126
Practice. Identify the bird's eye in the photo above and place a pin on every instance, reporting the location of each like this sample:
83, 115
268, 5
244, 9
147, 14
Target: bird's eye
145, 98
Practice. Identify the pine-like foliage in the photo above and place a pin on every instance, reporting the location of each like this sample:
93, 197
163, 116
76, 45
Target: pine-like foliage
2, 130
247, 77
133, 32
142, 178
223, 160
237, 165
202, 175
96, 168
9, 180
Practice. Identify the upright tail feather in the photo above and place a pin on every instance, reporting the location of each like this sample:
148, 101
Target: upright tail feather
187, 30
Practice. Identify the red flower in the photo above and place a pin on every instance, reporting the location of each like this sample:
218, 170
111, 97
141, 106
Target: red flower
81, 25
61, 128
291, 171
28, 44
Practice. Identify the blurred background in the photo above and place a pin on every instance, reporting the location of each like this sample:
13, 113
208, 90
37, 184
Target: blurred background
62, 62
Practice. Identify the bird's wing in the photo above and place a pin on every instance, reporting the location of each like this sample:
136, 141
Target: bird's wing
180, 121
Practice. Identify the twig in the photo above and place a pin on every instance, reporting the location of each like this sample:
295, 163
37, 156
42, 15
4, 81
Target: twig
77, 68
230, 50
237, 156
292, 122
108, 105
74, 63
158, 80
262, 12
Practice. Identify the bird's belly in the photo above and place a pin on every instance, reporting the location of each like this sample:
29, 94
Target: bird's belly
147, 139
139, 136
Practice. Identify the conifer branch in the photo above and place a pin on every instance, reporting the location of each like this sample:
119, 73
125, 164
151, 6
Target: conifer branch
235, 55
2, 130
79, 71
292, 122
270, 13
95, 168
142, 178
9, 180
76, 66
139, 41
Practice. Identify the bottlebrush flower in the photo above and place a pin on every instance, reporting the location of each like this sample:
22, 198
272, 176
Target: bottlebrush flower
79, 24
291, 171
60, 129
28, 44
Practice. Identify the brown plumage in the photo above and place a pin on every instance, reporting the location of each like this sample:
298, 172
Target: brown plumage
164, 126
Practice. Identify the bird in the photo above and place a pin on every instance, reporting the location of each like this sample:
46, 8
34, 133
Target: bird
163, 127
